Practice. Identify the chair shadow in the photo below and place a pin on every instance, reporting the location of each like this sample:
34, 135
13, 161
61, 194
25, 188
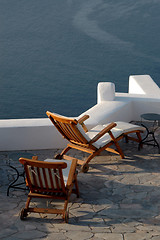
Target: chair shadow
123, 190
115, 191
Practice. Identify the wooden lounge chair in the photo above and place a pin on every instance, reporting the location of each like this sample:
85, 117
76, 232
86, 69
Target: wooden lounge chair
52, 180
94, 141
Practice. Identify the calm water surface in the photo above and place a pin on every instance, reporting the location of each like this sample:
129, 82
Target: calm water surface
54, 52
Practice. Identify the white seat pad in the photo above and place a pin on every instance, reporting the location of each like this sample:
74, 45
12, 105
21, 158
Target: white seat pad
122, 127
65, 171
105, 138
128, 127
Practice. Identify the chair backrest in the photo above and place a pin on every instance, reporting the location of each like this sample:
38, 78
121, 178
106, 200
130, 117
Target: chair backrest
44, 176
69, 128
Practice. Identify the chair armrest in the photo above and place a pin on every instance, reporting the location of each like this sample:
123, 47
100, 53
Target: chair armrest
103, 131
83, 118
81, 122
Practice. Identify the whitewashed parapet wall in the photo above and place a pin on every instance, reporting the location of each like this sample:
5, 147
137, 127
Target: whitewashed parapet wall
29, 134
143, 97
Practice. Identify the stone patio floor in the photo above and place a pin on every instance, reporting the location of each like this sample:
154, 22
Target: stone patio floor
119, 199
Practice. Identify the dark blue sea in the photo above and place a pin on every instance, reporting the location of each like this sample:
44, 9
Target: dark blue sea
53, 53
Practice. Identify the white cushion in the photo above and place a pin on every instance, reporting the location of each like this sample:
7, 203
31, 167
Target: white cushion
127, 127
80, 128
105, 138
65, 171
122, 127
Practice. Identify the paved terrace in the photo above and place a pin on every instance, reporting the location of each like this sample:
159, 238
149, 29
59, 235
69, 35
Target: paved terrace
119, 199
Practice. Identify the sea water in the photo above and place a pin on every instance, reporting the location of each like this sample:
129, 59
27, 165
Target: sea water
53, 53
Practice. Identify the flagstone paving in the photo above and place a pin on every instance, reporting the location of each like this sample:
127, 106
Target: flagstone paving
119, 199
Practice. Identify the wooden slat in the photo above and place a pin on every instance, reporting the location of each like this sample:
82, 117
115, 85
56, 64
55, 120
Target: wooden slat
133, 139
64, 130
71, 134
79, 135
82, 148
35, 183
56, 180
42, 163
28, 179
51, 196
40, 178
61, 180
74, 135
69, 131
58, 127
67, 127
60, 118
51, 179
46, 210
45, 178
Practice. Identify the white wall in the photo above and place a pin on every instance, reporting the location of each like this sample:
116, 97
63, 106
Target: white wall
29, 134
143, 84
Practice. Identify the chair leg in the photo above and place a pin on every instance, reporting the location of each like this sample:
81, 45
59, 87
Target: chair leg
126, 138
65, 215
139, 136
140, 140
136, 139
60, 156
119, 150
24, 211
28, 202
85, 167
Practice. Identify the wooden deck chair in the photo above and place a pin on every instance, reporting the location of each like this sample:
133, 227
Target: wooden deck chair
50, 179
93, 142
99, 138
